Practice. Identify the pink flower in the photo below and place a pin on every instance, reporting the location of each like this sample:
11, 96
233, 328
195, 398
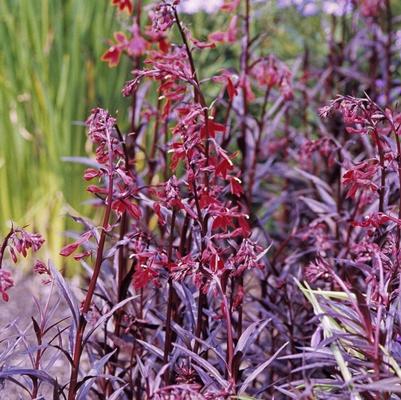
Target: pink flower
6, 282
91, 173
247, 257
370, 8
70, 248
40, 268
162, 16
102, 133
137, 44
21, 241
271, 72
319, 269
229, 36
230, 5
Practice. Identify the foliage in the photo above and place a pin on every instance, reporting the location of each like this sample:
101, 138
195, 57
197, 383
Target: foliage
250, 240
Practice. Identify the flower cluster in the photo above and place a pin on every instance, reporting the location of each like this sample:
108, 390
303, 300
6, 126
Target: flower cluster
17, 241
360, 115
270, 72
361, 177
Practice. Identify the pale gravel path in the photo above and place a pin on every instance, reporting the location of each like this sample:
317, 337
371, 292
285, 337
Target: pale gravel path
20, 308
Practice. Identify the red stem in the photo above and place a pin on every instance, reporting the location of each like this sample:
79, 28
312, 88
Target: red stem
168, 340
383, 170
4, 245
245, 68
78, 347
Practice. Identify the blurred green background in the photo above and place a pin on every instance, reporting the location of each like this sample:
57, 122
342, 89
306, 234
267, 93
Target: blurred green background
51, 76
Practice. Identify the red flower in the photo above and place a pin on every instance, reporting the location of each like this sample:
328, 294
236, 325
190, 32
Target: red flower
360, 115
158, 211
185, 266
360, 177
227, 78
70, 248
245, 84
123, 205
375, 220
271, 72
213, 128
239, 297
113, 54
222, 221
124, 5
223, 167
159, 38
143, 276
168, 68
199, 44
236, 186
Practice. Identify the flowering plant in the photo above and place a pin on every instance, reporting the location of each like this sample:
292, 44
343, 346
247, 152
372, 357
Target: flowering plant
251, 220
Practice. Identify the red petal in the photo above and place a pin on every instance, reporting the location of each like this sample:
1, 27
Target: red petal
236, 187
91, 173
164, 45
69, 249
231, 90
112, 56
217, 36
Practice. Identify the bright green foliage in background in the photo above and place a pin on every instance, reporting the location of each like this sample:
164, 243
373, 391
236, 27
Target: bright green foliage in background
50, 78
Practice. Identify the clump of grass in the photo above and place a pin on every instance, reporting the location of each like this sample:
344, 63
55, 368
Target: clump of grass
48, 69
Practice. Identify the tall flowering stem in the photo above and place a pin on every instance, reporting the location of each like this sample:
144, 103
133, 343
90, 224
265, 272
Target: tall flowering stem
100, 125
199, 97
